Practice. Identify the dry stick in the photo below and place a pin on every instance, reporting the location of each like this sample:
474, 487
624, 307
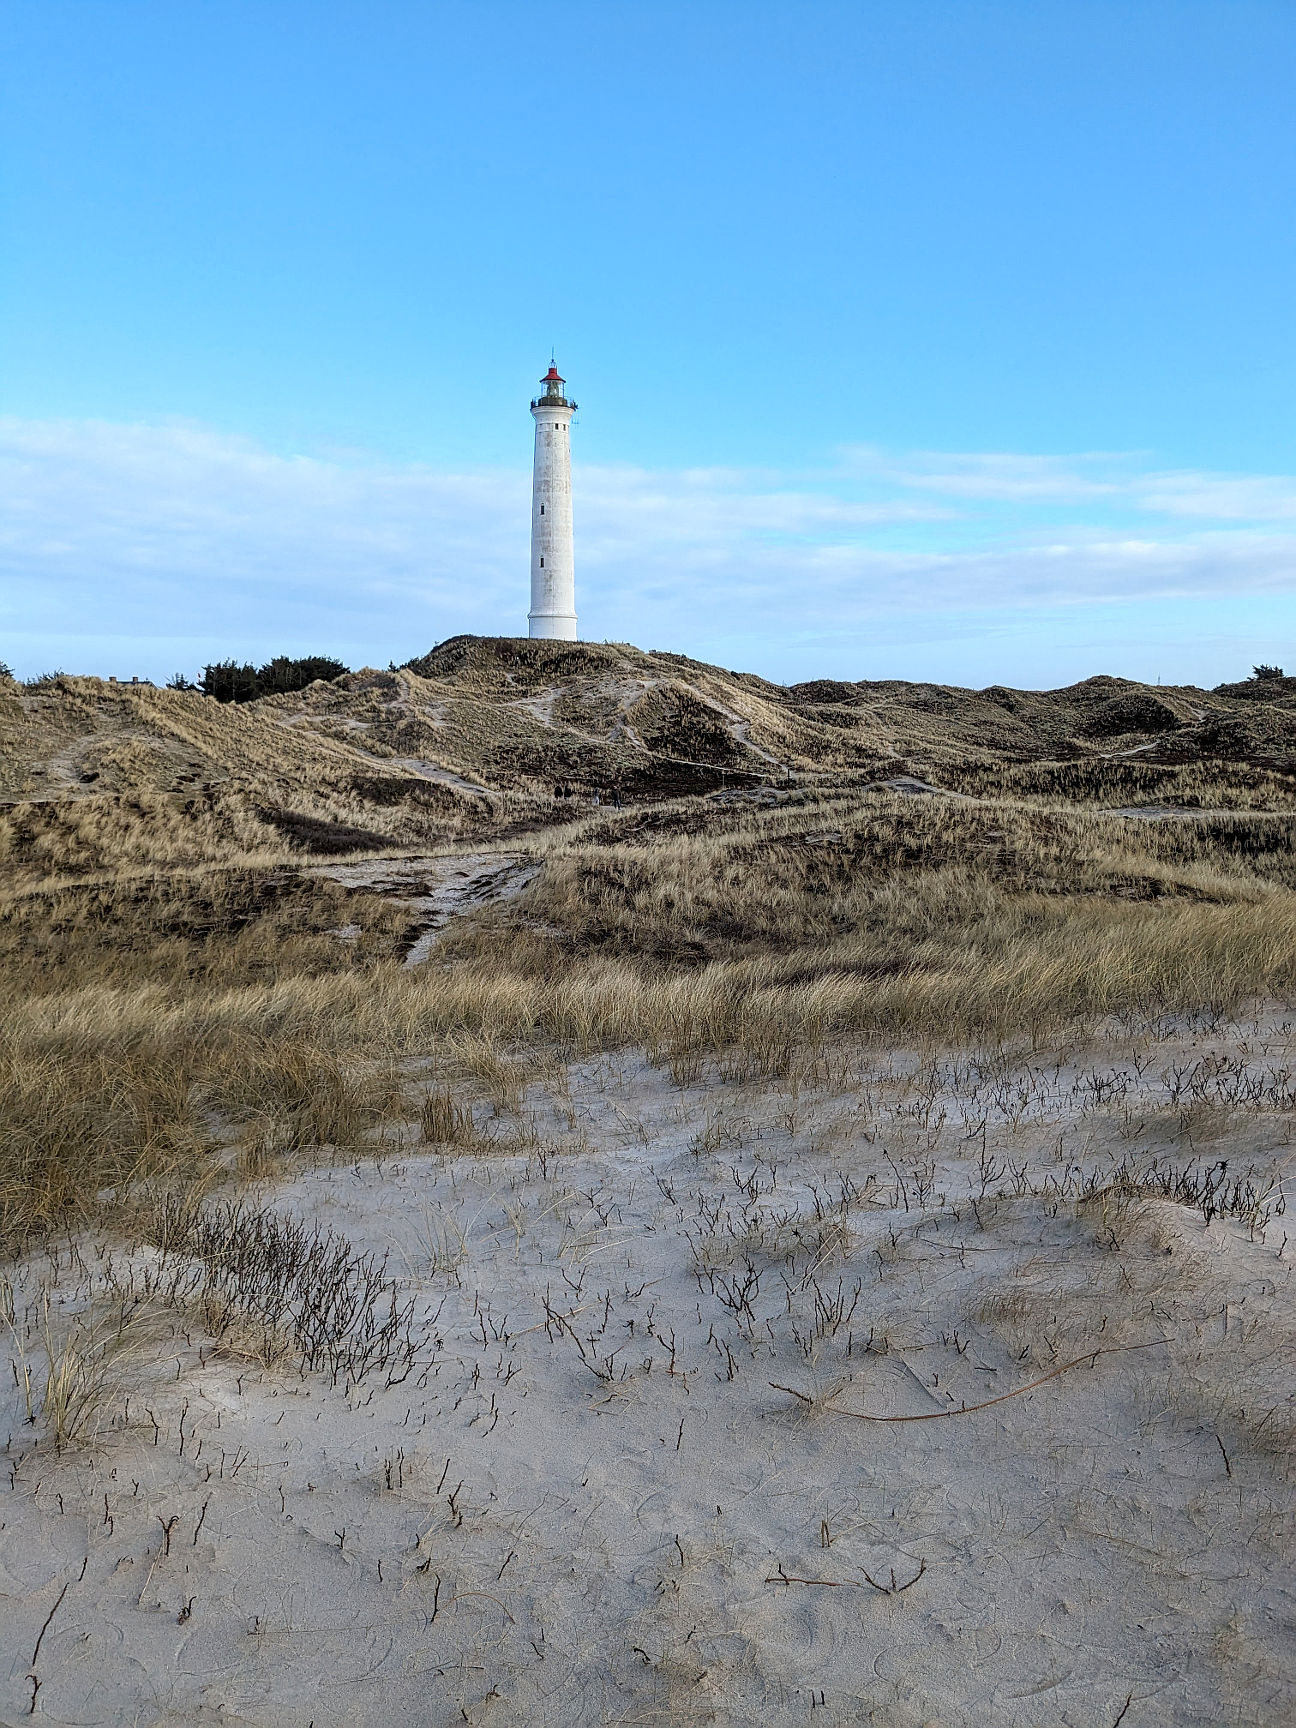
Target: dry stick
461, 1594
45, 1628
803, 1396
894, 1589
967, 1409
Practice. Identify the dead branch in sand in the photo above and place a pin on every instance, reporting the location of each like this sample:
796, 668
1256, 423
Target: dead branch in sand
1090, 1356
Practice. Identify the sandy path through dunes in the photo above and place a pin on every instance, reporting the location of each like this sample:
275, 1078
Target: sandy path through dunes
437, 889
588, 1501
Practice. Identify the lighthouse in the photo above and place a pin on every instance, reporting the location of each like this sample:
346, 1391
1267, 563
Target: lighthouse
553, 572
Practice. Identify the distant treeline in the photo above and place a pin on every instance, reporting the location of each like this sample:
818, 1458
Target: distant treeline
227, 681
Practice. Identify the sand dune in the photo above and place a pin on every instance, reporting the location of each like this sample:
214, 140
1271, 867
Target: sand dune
621, 1481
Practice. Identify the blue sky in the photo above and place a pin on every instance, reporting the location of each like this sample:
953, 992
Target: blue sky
946, 341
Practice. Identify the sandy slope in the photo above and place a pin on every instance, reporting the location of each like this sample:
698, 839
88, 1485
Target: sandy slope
587, 1503
437, 890
477, 737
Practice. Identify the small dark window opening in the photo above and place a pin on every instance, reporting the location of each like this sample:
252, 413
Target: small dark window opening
542, 563
542, 509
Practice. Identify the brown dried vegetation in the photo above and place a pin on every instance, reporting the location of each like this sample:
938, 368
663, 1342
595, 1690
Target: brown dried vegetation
176, 990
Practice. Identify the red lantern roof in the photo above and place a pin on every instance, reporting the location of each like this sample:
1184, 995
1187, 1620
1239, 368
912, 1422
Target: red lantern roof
554, 375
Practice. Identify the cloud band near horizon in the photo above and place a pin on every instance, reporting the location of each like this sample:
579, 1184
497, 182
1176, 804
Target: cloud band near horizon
174, 540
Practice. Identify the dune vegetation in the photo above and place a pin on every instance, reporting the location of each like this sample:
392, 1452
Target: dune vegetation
607, 1190
152, 1015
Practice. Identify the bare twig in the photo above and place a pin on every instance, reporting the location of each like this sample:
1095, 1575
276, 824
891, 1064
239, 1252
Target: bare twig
803, 1396
45, 1628
967, 1409
782, 1577
894, 1589
891, 1589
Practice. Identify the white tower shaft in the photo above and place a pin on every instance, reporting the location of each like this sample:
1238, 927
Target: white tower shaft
553, 568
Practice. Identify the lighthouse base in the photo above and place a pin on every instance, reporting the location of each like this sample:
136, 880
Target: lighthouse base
552, 626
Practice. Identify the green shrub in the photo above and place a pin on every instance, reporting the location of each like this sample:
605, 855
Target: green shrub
227, 681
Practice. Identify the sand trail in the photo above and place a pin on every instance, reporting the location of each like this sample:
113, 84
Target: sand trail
437, 889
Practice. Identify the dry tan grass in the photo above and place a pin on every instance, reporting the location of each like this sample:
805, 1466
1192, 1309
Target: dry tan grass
474, 739
69, 1365
108, 1082
156, 1012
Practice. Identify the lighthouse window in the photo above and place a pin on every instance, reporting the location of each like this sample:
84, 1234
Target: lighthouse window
542, 509
542, 563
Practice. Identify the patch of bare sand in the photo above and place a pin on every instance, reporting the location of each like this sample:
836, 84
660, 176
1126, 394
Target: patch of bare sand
619, 1484
437, 889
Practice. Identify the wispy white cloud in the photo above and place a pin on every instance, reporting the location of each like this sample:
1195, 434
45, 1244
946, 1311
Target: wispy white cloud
994, 476
1091, 478
179, 535
1221, 497
183, 501
714, 506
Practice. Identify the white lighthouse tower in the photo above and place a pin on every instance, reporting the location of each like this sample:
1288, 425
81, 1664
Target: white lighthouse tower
553, 569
